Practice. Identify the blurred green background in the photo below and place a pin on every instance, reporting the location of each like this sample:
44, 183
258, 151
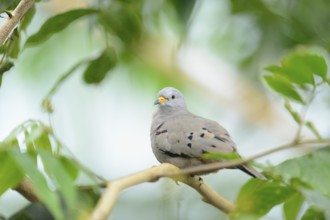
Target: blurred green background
213, 51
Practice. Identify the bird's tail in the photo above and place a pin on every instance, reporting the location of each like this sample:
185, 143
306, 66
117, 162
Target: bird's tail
251, 171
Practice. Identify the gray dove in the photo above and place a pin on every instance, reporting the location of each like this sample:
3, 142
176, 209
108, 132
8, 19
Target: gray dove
181, 138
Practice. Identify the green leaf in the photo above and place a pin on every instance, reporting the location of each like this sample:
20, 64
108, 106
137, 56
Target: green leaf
313, 129
123, 20
10, 174
87, 199
57, 23
313, 213
292, 206
39, 136
4, 67
283, 86
46, 195
184, 10
29, 146
26, 21
60, 177
312, 169
11, 142
275, 69
298, 70
317, 64
258, 197
296, 117
8, 4
14, 44
70, 166
222, 156
33, 211
100, 66
301, 68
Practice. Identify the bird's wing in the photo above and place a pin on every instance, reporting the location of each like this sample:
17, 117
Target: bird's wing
191, 136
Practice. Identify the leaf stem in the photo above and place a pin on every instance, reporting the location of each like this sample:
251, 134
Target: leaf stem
303, 115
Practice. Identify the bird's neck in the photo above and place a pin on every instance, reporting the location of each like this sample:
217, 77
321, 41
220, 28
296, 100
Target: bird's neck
172, 111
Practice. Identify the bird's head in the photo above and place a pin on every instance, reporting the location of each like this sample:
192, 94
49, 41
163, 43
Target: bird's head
170, 99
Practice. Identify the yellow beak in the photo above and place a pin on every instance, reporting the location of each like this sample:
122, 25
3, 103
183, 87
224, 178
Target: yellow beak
161, 100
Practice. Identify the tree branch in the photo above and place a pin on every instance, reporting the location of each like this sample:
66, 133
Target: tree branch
113, 189
25, 188
14, 19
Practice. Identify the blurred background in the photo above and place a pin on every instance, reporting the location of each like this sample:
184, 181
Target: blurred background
213, 51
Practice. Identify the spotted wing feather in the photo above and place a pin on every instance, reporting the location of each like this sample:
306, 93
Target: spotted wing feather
190, 136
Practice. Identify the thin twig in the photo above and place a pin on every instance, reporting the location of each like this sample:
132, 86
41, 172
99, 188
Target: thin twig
109, 197
228, 164
46, 102
12, 21
64, 77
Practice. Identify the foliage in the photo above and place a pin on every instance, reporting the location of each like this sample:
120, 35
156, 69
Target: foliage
33, 145
296, 183
299, 182
298, 78
299, 185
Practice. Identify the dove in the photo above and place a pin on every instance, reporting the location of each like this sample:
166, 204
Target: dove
181, 138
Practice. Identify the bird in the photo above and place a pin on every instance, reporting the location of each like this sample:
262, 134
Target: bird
181, 138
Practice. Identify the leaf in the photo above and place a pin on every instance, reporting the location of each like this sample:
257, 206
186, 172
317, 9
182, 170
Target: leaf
297, 69
258, 197
46, 195
70, 166
4, 67
313, 213
10, 174
33, 211
14, 44
57, 23
317, 64
29, 146
100, 66
39, 137
11, 142
281, 85
292, 206
87, 199
8, 4
313, 129
296, 117
184, 9
222, 156
301, 68
123, 20
26, 21
275, 69
312, 169
60, 177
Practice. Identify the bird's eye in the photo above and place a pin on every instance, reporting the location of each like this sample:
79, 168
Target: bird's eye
173, 96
